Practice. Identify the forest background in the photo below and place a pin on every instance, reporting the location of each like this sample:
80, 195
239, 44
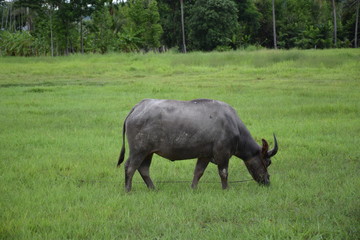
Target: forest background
62, 27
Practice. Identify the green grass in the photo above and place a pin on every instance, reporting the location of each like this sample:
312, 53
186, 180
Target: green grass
60, 136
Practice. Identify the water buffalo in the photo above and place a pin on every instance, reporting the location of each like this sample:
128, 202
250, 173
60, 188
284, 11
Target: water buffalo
205, 129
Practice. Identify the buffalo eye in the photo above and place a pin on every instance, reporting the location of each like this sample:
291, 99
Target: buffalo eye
267, 162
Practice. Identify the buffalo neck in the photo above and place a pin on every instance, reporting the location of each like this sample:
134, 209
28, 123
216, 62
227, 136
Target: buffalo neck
247, 146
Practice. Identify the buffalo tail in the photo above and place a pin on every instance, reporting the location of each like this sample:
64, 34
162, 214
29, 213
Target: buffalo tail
122, 153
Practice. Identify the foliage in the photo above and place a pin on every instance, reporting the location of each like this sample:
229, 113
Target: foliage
63, 27
314, 37
17, 44
170, 20
249, 20
100, 37
144, 17
304, 30
61, 123
264, 35
212, 23
153, 28
129, 40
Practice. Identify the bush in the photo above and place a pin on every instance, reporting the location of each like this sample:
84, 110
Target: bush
16, 44
223, 48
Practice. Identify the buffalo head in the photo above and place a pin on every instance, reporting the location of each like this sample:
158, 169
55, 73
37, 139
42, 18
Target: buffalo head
258, 164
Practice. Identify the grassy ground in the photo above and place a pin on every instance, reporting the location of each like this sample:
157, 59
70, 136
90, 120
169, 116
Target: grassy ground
60, 136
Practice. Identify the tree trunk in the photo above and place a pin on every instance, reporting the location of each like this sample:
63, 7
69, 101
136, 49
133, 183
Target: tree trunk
274, 23
356, 23
2, 18
81, 36
335, 26
51, 35
182, 25
27, 23
10, 13
67, 46
6, 19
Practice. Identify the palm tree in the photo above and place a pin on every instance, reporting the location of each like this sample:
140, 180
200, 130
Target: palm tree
182, 25
335, 26
357, 2
274, 24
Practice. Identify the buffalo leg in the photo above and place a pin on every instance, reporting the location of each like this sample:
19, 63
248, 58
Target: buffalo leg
144, 172
223, 172
131, 165
200, 167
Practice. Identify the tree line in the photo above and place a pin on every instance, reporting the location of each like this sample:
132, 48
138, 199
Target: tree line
61, 27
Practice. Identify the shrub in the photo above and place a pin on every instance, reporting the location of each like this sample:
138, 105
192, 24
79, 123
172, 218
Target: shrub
16, 44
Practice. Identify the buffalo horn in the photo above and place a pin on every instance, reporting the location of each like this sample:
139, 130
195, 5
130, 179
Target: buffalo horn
273, 151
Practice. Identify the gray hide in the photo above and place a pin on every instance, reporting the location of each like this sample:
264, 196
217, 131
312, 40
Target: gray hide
208, 130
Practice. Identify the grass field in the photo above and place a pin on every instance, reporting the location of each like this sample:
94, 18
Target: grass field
60, 136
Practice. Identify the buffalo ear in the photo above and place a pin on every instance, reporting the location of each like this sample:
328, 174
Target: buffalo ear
265, 148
